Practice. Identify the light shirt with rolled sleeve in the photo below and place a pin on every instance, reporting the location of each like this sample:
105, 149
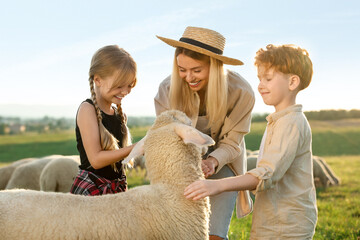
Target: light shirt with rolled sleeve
285, 197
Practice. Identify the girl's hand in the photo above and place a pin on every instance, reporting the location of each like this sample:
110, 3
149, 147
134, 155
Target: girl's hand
208, 166
202, 188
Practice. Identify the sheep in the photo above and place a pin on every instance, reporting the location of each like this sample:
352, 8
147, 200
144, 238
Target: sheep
156, 211
59, 174
248, 152
323, 175
255, 152
138, 163
7, 171
27, 175
251, 162
336, 179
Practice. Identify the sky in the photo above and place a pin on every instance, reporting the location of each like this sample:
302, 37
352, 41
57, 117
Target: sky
46, 47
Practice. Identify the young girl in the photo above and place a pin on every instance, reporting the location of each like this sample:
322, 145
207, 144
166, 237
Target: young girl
285, 197
102, 136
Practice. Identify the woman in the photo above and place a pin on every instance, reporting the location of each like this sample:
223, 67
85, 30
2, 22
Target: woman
219, 104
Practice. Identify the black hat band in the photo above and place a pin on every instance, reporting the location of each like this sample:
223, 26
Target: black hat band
202, 45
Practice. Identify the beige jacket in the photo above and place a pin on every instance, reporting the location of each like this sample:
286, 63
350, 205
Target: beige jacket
229, 132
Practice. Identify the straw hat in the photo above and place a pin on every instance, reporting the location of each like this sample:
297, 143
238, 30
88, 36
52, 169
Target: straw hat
205, 41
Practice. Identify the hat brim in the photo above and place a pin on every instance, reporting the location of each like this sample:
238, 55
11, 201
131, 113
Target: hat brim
225, 60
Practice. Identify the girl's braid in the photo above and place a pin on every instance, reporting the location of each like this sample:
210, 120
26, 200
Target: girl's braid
126, 141
93, 97
122, 117
107, 140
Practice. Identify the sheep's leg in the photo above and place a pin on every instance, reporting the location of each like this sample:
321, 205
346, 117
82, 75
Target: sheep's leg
321, 173
335, 179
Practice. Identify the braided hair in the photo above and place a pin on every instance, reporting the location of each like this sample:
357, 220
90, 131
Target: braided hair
104, 63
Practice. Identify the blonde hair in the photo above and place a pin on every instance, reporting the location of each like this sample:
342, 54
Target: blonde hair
287, 59
183, 98
105, 62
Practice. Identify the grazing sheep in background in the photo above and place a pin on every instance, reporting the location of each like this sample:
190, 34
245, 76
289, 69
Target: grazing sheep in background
330, 172
321, 175
138, 163
27, 175
251, 162
255, 152
155, 211
7, 171
59, 174
248, 152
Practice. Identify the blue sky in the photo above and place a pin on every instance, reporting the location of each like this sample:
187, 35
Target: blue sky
46, 47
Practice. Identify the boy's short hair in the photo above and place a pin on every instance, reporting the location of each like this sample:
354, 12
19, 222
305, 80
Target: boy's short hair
288, 59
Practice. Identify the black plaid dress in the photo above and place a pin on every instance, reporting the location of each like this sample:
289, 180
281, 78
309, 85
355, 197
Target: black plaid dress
106, 180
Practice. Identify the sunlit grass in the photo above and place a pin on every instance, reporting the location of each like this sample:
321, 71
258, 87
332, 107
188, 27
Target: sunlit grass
329, 138
14, 147
136, 177
32, 144
338, 207
138, 133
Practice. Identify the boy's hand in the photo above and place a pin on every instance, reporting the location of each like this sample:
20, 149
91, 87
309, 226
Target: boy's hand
201, 189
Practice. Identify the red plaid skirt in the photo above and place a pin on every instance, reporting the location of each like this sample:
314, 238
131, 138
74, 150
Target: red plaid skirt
88, 183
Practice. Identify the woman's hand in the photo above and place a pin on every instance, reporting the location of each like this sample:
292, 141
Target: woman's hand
202, 188
208, 166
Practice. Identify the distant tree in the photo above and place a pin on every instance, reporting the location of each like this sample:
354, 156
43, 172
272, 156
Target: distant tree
2, 128
332, 114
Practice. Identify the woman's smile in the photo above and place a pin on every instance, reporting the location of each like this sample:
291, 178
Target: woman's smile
194, 84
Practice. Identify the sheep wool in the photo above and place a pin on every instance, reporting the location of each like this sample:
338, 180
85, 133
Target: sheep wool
59, 174
27, 175
172, 150
7, 171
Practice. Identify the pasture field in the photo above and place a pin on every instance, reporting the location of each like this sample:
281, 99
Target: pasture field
330, 138
14, 147
338, 142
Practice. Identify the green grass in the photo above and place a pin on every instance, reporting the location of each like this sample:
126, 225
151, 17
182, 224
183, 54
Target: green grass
136, 177
329, 138
138, 133
14, 147
338, 207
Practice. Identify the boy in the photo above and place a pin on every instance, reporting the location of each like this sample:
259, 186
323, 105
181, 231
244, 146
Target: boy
285, 197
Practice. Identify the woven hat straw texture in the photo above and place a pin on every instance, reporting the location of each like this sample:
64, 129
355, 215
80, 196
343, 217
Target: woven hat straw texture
205, 41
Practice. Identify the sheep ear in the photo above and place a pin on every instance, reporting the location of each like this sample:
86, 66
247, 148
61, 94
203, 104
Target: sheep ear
137, 151
192, 135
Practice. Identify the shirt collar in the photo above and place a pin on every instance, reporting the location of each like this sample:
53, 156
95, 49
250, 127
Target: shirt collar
276, 115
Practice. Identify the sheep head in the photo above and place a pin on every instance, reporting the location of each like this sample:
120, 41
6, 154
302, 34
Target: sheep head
171, 116
172, 148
